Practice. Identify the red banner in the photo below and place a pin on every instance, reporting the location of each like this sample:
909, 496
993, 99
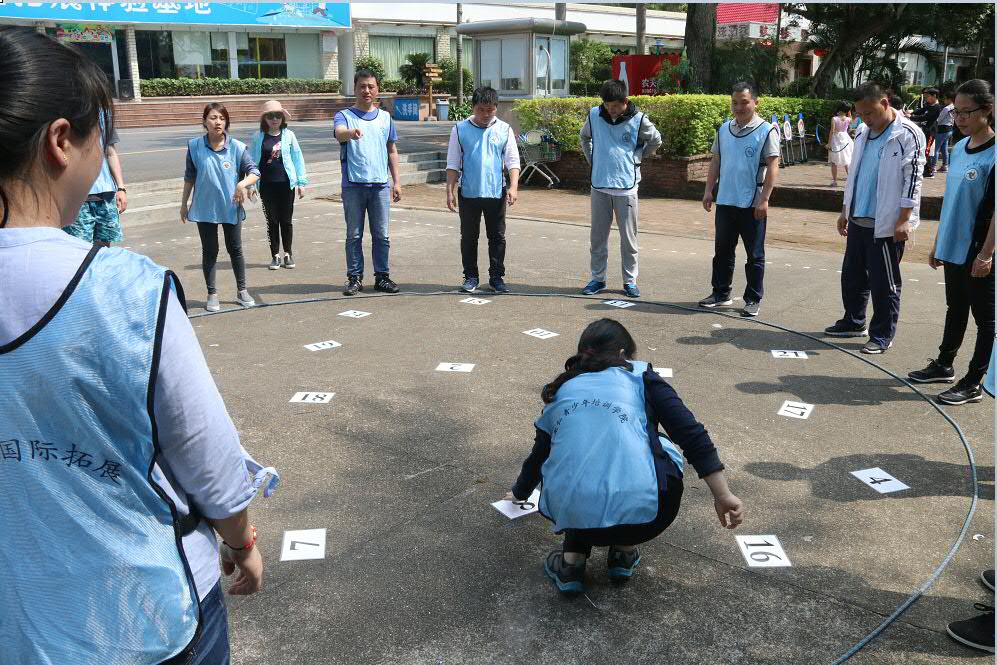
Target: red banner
640, 72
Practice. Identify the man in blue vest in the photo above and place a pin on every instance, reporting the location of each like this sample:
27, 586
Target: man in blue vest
746, 160
368, 153
99, 220
615, 139
482, 149
882, 199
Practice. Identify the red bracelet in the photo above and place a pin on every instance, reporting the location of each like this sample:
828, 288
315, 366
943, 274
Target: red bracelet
247, 546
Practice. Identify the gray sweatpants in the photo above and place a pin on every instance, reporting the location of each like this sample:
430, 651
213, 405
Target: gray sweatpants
604, 207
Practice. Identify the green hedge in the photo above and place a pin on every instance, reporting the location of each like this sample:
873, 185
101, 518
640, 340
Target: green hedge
209, 86
687, 122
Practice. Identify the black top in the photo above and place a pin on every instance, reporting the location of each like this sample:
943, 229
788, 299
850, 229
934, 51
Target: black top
272, 160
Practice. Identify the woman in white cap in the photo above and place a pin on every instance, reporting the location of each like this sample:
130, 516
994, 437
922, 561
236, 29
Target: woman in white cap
282, 175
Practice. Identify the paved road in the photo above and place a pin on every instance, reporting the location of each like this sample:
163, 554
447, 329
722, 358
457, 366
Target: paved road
158, 153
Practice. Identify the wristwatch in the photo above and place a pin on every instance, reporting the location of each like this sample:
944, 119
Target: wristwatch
122, 189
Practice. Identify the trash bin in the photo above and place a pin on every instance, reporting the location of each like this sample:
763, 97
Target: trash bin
442, 109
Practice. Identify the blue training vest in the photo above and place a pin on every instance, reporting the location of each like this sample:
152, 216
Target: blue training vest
214, 187
614, 151
601, 469
104, 182
965, 187
93, 570
482, 152
988, 380
740, 157
367, 157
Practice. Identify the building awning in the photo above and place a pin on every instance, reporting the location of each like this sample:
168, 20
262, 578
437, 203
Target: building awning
547, 26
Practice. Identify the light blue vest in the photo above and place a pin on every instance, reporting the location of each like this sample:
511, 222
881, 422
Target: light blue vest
965, 187
93, 570
483, 154
740, 157
600, 471
614, 151
988, 380
217, 176
367, 157
105, 182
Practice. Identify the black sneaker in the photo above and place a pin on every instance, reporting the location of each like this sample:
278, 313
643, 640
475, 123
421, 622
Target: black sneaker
750, 308
935, 372
872, 347
568, 578
961, 393
354, 285
621, 565
713, 300
275, 264
842, 329
977, 632
498, 285
384, 283
987, 577
288, 261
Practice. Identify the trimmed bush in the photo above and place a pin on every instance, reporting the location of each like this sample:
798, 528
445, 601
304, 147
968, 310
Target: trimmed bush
372, 64
687, 123
209, 86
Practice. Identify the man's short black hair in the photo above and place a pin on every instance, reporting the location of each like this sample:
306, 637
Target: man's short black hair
870, 91
931, 91
613, 90
741, 86
484, 95
365, 74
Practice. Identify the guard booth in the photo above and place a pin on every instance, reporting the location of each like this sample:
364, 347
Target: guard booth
521, 58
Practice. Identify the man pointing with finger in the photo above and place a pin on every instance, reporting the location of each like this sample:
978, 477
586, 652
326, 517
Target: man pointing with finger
367, 138
880, 213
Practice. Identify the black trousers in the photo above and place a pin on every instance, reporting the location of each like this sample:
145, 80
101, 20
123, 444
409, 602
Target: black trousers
278, 207
209, 252
581, 541
964, 294
471, 211
733, 223
871, 267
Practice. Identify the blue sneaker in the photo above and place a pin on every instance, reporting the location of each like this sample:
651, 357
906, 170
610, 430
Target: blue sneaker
631, 290
621, 565
470, 285
498, 285
593, 288
568, 578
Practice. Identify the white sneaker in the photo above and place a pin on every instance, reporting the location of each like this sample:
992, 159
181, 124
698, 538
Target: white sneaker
213, 305
245, 299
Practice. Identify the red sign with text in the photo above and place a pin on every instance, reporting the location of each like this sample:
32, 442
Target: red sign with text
640, 72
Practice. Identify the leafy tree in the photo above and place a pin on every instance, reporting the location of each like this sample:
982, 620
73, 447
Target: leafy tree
590, 60
449, 66
370, 63
746, 60
413, 69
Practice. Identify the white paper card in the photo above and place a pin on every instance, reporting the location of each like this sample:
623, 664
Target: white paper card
540, 333
796, 410
516, 509
303, 544
455, 367
312, 398
354, 314
320, 346
762, 552
802, 355
664, 372
880, 481
476, 301
622, 304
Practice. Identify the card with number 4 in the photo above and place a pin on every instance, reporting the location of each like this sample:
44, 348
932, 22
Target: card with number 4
879, 480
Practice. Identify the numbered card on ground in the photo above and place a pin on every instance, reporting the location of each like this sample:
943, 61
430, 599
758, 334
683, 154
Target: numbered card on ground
763, 552
516, 509
302, 545
796, 409
664, 372
802, 355
354, 314
476, 301
622, 304
312, 398
320, 346
880, 481
455, 367
540, 333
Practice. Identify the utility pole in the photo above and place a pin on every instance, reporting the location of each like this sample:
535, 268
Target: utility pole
460, 58
560, 11
641, 28
778, 47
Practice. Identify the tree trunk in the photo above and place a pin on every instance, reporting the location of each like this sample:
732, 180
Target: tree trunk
560, 11
700, 22
641, 29
460, 58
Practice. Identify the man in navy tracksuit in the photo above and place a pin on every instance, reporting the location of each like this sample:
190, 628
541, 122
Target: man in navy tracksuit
882, 199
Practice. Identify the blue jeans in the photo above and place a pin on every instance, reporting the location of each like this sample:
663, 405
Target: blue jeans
213, 647
941, 147
375, 202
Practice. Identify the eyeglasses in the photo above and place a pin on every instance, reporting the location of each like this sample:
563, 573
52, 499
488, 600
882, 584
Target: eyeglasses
963, 115
274, 116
